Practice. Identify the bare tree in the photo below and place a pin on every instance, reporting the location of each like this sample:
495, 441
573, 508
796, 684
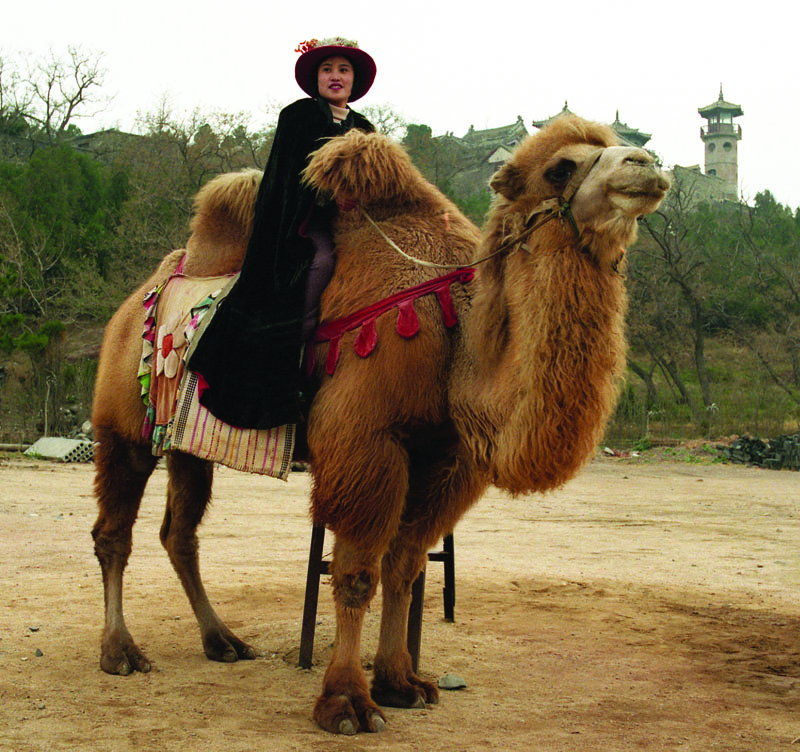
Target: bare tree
172, 158
685, 256
386, 120
12, 106
58, 90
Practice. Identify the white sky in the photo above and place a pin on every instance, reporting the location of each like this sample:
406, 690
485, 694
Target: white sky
448, 66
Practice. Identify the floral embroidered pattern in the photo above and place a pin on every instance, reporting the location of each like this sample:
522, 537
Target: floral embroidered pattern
164, 345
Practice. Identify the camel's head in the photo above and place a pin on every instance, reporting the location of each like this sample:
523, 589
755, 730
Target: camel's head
621, 185
368, 168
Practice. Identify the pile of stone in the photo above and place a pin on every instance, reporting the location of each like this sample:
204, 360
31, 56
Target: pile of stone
780, 453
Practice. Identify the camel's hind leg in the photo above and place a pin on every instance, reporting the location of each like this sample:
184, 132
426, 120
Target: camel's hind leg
122, 470
188, 494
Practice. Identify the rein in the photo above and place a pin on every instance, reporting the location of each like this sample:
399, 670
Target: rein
557, 207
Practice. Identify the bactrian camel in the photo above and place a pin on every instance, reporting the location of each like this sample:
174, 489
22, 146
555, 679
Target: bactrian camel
401, 443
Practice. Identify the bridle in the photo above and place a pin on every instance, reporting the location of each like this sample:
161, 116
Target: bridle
557, 207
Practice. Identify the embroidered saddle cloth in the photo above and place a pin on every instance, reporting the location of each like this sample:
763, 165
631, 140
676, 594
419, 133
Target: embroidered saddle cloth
175, 419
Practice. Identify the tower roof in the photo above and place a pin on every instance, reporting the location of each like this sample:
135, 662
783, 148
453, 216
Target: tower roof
721, 106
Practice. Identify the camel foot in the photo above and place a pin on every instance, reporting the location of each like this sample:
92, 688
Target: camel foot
342, 714
409, 692
226, 647
120, 656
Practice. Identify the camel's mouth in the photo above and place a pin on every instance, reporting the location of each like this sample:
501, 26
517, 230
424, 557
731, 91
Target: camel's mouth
642, 193
638, 179
636, 202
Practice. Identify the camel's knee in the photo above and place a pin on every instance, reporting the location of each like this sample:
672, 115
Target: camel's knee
111, 545
355, 590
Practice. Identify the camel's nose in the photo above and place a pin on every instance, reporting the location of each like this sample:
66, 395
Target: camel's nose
638, 157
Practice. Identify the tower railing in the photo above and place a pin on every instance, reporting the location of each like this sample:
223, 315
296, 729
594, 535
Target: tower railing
733, 129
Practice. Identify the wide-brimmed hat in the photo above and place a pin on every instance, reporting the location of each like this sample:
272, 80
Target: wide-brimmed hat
316, 50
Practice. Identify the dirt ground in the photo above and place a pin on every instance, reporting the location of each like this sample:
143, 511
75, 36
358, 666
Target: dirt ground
643, 607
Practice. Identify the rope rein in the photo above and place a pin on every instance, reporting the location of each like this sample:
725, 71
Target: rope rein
551, 208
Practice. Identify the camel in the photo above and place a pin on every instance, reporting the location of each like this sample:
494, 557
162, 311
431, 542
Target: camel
508, 379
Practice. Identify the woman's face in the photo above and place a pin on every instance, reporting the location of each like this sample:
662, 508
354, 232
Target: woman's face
335, 80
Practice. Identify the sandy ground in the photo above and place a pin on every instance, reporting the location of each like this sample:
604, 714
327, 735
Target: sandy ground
642, 607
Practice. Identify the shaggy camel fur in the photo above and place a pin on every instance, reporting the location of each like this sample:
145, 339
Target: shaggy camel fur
403, 442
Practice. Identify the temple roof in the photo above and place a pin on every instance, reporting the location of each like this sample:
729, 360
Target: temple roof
629, 135
542, 123
505, 134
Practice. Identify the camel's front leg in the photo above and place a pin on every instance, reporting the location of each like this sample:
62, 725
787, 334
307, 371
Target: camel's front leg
345, 705
395, 684
439, 493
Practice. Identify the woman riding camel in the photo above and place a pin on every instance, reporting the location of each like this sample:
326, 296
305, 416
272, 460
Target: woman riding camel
249, 353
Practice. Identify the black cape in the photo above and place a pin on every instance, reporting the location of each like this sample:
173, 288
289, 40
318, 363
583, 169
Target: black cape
249, 353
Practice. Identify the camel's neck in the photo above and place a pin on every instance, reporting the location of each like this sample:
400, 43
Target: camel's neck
544, 345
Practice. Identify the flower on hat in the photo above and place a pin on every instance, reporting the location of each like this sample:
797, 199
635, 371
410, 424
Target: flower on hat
311, 44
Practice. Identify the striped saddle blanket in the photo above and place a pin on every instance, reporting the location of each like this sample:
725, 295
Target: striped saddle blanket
175, 419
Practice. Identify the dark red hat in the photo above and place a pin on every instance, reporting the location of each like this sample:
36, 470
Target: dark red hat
315, 51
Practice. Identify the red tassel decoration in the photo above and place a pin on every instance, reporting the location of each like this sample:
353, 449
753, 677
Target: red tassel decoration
310, 358
367, 339
407, 321
449, 315
333, 355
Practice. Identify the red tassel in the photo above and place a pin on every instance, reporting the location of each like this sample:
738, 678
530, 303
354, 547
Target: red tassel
310, 358
333, 355
367, 339
407, 321
449, 315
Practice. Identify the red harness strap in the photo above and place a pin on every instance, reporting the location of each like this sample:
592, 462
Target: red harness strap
407, 322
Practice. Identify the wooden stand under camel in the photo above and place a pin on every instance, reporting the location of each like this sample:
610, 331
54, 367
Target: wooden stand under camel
516, 393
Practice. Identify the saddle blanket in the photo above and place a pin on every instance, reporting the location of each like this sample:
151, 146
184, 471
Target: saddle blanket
175, 420
196, 431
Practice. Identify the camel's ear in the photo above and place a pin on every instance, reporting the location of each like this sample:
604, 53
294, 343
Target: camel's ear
508, 181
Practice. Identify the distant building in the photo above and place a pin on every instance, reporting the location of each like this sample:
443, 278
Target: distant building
628, 136
103, 145
721, 137
696, 186
482, 152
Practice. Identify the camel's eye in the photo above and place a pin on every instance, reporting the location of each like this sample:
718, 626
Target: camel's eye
561, 173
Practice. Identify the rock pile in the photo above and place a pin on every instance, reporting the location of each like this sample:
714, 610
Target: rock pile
780, 453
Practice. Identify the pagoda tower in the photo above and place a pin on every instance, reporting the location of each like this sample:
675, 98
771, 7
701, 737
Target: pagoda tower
721, 137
